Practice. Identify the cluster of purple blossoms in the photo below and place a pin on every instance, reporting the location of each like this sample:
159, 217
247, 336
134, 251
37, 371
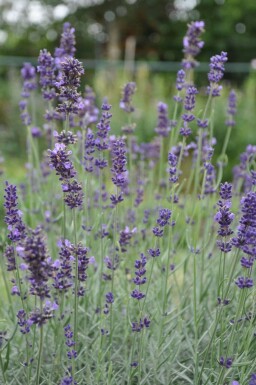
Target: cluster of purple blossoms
63, 278
70, 342
138, 326
180, 84
40, 317
189, 105
67, 83
231, 110
109, 301
162, 221
33, 252
227, 363
210, 172
28, 73
46, 68
216, 73
60, 162
246, 237
65, 137
89, 146
172, 162
16, 227
140, 278
241, 175
225, 217
192, 44
23, 322
127, 93
67, 381
118, 169
67, 44
101, 141
125, 236
163, 125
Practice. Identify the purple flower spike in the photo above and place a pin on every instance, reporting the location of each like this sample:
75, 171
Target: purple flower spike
216, 73
46, 69
253, 379
244, 282
67, 44
231, 110
192, 44
127, 93
163, 125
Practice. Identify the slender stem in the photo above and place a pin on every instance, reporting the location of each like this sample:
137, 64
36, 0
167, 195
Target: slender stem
2, 368
76, 279
40, 351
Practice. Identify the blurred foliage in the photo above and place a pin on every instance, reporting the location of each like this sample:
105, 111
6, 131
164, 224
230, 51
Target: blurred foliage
157, 25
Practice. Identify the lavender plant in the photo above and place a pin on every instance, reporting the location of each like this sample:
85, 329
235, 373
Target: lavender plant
125, 262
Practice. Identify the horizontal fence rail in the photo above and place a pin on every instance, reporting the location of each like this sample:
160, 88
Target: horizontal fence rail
156, 66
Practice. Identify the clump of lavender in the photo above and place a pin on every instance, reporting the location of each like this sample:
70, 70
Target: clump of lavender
189, 105
172, 162
162, 221
225, 217
35, 256
67, 83
192, 44
72, 354
59, 160
216, 73
227, 363
101, 140
163, 125
118, 169
46, 69
180, 84
126, 101
243, 178
13, 216
28, 73
67, 44
232, 109
125, 237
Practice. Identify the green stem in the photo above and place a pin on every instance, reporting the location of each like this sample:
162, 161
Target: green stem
40, 351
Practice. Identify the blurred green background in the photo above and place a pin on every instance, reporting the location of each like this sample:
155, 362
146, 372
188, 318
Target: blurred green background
124, 40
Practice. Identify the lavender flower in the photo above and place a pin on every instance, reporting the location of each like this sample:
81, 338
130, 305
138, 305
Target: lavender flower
65, 137
28, 73
70, 342
231, 110
67, 381
38, 317
163, 125
140, 278
89, 146
63, 279
244, 282
162, 221
246, 239
59, 160
23, 321
192, 44
225, 217
127, 93
253, 379
34, 253
46, 69
118, 169
216, 73
125, 237
172, 161
68, 81
227, 363
73, 194
16, 227
189, 105
67, 44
